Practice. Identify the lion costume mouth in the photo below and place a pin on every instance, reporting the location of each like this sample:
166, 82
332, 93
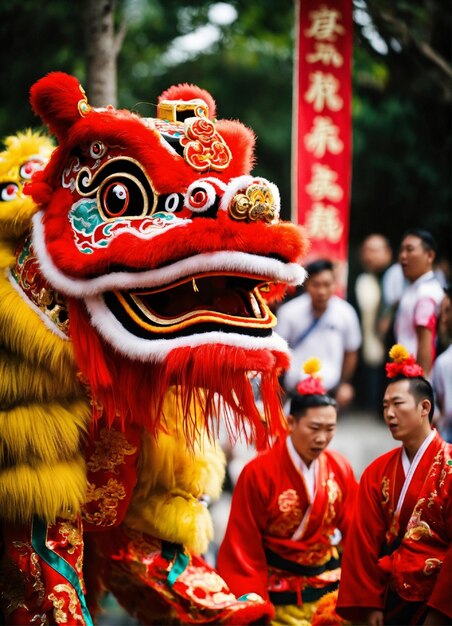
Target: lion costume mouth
200, 303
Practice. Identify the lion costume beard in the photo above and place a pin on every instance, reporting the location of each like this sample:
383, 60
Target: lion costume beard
216, 377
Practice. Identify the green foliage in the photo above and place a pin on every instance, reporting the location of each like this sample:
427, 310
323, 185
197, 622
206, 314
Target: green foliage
36, 38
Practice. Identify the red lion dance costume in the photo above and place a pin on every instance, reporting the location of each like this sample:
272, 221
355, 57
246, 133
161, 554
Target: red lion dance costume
134, 311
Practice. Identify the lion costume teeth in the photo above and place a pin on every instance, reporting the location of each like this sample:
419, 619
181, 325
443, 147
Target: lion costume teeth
134, 314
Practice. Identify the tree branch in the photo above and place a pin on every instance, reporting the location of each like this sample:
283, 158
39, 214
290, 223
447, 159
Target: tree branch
120, 36
404, 32
435, 57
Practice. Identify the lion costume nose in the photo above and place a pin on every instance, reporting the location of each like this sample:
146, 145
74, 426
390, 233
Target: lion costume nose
255, 204
252, 200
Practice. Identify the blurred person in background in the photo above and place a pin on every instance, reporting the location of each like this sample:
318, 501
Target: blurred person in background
375, 316
320, 324
417, 313
442, 369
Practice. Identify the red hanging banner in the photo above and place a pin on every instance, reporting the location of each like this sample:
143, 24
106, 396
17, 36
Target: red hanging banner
321, 145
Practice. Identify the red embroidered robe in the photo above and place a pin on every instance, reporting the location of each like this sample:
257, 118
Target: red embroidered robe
416, 570
269, 503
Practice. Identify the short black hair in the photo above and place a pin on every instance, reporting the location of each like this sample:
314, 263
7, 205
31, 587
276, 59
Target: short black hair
318, 266
299, 404
428, 240
420, 389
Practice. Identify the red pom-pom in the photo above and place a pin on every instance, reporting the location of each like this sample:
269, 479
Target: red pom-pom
408, 368
186, 91
57, 99
39, 191
311, 386
274, 292
413, 370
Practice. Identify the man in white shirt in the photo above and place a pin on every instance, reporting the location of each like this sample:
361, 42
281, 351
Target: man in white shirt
417, 315
320, 324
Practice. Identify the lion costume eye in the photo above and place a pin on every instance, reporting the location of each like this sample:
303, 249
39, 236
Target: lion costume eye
121, 187
115, 199
97, 149
122, 196
8, 191
200, 197
27, 170
173, 202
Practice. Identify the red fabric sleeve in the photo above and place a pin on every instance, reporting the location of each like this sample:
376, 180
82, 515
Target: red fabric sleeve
241, 557
111, 464
363, 585
441, 596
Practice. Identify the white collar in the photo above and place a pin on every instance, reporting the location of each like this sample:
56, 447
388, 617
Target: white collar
307, 473
410, 468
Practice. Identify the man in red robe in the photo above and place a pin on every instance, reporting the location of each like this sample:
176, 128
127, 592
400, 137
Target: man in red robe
287, 508
396, 567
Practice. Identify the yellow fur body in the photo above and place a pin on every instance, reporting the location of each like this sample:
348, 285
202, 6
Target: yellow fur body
43, 409
172, 481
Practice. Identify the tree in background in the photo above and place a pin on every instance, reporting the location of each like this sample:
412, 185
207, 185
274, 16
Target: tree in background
402, 87
102, 46
402, 120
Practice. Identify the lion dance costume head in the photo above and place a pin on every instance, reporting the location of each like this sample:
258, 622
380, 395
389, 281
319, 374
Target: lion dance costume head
161, 253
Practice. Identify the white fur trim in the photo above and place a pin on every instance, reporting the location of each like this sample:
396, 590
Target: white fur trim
136, 348
210, 192
262, 267
48, 322
213, 180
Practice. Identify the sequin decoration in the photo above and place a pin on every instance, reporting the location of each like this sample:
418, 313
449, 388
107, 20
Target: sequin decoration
30, 280
256, 203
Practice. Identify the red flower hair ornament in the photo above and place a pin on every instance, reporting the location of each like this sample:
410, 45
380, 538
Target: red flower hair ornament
404, 363
312, 385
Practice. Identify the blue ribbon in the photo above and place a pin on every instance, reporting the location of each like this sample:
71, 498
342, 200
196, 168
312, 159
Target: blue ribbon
172, 551
56, 562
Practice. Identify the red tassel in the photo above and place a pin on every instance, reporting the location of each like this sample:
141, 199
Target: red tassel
214, 377
88, 349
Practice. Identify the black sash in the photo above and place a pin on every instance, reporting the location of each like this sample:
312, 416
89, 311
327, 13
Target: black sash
275, 560
308, 594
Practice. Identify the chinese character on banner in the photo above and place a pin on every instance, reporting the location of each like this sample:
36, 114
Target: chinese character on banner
321, 147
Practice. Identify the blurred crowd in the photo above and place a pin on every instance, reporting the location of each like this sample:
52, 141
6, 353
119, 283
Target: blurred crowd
395, 298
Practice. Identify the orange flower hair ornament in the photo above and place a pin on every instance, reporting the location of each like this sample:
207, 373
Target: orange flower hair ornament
312, 385
404, 363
